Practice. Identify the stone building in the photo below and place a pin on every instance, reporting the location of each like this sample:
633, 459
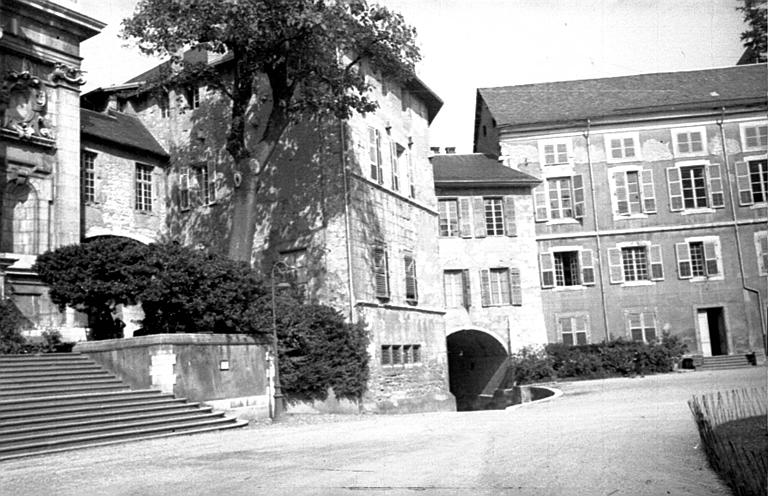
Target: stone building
349, 205
39, 147
490, 276
652, 212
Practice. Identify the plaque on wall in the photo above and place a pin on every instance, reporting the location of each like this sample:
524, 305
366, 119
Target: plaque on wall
23, 107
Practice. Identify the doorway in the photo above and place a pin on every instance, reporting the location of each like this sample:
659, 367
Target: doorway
473, 359
712, 333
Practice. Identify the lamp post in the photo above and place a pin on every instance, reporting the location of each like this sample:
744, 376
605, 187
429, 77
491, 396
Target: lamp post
279, 269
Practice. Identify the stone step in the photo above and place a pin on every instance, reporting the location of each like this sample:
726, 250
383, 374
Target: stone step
25, 417
98, 397
19, 379
52, 372
60, 390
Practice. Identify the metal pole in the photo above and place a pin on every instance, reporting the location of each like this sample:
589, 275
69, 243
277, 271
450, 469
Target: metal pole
279, 406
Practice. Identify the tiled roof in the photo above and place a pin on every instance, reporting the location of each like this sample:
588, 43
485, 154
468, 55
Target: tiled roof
119, 129
568, 101
476, 169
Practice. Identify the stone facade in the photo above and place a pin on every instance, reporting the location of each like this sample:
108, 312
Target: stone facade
40, 146
349, 205
644, 224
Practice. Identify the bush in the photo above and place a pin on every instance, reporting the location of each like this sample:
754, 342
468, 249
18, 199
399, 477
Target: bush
11, 323
609, 359
318, 350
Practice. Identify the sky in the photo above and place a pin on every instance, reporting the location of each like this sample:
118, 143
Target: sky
470, 44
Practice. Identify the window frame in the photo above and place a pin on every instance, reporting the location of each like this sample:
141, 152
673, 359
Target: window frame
380, 270
375, 159
761, 251
88, 176
711, 251
654, 259
746, 148
574, 330
744, 183
567, 142
411, 279
494, 226
401, 355
450, 233
643, 315
542, 199
646, 192
205, 174
462, 298
688, 130
622, 137
494, 288
184, 190
143, 185
714, 193
586, 267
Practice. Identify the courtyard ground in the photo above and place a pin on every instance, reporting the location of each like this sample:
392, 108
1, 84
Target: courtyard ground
606, 437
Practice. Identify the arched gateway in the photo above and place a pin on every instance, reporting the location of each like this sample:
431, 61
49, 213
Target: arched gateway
474, 356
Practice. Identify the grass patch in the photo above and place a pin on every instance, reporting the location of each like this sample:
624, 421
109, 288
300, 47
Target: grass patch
748, 434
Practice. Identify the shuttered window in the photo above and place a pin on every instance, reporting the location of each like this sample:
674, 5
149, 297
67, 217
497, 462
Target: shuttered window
697, 259
559, 198
574, 329
498, 288
761, 249
633, 192
184, 188
411, 284
494, 217
374, 155
380, 272
448, 217
696, 186
752, 181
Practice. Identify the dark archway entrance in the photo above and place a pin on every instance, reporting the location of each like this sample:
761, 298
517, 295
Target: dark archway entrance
473, 358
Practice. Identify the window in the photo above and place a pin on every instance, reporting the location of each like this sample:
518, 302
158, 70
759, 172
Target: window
494, 218
500, 287
448, 217
690, 141
752, 181
761, 248
193, 97
395, 154
380, 272
698, 258
633, 192
635, 262
622, 147
695, 186
573, 330
374, 155
143, 188
559, 198
566, 267
477, 215
411, 285
88, 176
641, 326
554, 152
456, 287
411, 176
184, 188
754, 136
400, 354
206, 182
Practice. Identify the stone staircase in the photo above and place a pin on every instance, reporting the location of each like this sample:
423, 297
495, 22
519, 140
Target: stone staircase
59, 402
720, 362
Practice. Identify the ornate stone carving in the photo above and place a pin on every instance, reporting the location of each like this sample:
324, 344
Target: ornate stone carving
23, 105
68, 74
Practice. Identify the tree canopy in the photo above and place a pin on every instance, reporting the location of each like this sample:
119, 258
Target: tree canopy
288, 59
755, 38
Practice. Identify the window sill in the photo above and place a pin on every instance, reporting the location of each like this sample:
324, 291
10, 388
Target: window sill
143, 212
706, 278
626, 160
569, 288
555, 222
694, 211
758, 206
637, 283
629, 217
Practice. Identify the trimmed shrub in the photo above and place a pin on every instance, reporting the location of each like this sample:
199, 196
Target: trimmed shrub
319, 350
592, 361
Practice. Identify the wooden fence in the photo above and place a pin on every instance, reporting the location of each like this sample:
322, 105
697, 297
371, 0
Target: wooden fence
744, 470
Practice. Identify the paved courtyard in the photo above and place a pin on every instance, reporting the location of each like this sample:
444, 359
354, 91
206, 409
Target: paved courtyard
609, 437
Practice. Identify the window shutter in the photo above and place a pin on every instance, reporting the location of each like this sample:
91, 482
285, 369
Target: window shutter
716, 197
510, 226
485, 287
466, 295
615, 266
587, 268
515, 287
184, 188
580, 329
547, 263
743, 183
657, 265
478, 206
578, 197
379, 161
381, 272
675, 184
683, 251
540, 202
620, 192
465, 217
394, 166
710, 258
649, 194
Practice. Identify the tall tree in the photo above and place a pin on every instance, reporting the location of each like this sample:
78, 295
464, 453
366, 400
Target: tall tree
755, 38
289, 59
